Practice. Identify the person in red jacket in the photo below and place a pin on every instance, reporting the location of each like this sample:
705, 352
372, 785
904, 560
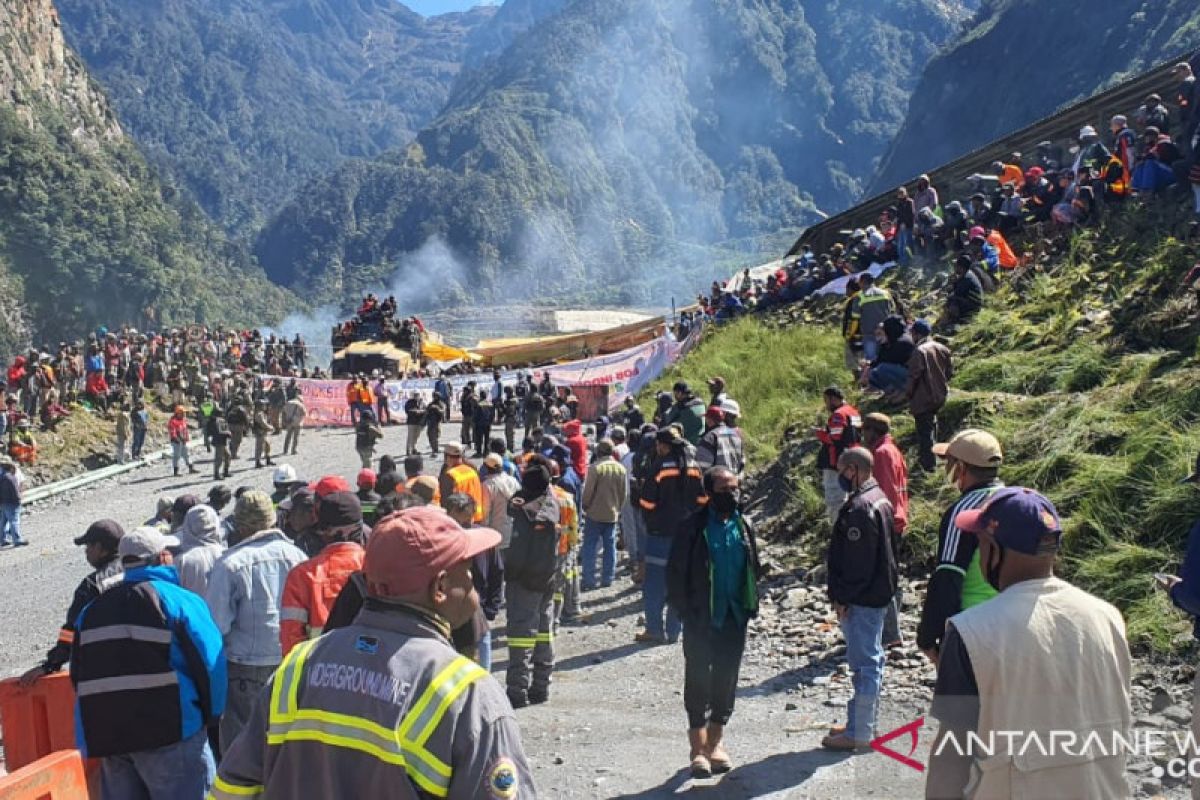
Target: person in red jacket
312, 587
578, 446
178, 434
891, 473
840, 433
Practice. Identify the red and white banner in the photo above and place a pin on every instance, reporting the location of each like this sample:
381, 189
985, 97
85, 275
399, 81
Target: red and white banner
625, 373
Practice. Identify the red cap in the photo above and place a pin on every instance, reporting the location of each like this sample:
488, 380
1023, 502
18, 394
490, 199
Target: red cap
408, 549
330, 484
366, 477
715, 413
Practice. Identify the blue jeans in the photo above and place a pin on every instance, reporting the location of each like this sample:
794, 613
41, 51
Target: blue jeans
654, 589
904, 243
862, 629
889, 377
870, 346
10, 523
483, 651
139, 440
599, 534
175, 772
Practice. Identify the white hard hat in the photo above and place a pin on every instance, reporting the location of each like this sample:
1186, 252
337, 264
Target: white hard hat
1086, 130
284, 473
729, 406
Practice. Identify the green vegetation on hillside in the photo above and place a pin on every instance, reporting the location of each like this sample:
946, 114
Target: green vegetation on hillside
87, 238
242, 102
1086, 369
621, 143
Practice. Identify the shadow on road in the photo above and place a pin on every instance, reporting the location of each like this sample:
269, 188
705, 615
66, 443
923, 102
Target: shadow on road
777, 773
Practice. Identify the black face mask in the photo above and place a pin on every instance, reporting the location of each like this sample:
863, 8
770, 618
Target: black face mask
993, 571
724, 503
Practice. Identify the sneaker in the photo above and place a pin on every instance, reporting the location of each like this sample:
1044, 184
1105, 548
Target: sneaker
22, 543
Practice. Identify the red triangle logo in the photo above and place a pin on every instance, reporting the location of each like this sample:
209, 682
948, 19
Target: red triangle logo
879, 744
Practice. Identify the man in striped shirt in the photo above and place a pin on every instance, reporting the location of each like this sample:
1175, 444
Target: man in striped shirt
972, 462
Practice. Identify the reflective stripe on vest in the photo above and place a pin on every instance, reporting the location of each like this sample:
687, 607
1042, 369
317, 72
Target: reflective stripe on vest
224, 790
403, 746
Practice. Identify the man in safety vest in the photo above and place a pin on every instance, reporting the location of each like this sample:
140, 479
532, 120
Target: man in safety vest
386, 708
459, 476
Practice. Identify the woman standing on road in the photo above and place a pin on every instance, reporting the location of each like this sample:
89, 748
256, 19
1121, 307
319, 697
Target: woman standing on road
711, 582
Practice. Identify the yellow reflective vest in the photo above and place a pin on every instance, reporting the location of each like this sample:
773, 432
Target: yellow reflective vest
384, 708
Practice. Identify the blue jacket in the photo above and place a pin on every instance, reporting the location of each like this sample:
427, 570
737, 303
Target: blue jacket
1186, 593
148, 651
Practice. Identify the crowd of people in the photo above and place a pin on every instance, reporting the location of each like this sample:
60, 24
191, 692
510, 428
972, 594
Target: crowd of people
338, 636
376, 320
1149, 153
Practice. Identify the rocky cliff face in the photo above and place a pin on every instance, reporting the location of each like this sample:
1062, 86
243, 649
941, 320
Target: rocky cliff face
88, 234
39, 71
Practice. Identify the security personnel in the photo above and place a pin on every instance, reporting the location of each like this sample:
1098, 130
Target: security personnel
261, 428
238, 418
459, 476
385, 708
218, 435
100, 540
531, 572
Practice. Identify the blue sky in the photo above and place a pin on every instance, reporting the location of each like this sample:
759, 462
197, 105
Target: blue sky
431, 7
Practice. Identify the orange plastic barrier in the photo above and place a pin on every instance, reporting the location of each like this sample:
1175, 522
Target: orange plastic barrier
36, 721
58, 776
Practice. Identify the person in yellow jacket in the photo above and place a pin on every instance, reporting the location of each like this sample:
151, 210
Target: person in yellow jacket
385, 708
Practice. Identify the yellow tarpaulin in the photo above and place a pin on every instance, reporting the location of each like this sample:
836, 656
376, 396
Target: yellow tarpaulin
438, 351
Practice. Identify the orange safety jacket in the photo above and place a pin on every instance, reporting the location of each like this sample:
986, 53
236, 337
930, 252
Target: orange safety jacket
351, 393
466, 480
1008, 259
311, 589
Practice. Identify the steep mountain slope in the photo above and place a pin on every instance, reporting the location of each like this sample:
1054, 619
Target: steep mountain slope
1020, 60
510, 21
243, 101
87, 236
618, 140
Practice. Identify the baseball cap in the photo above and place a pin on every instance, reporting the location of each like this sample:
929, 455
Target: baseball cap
184, 503
1193, 478
1017, 519
338, 509
493, 460
972, 446
714, 413
452, 449
105, 531
304, 497
878, 421
144, 544
366, 477
681, 386
407, 550
922, 327
328, 485
716, 380
730, 406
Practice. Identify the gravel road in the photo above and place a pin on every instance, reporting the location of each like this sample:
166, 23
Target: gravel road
615, 725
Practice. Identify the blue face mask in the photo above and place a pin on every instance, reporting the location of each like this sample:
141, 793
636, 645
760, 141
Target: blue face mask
846, 484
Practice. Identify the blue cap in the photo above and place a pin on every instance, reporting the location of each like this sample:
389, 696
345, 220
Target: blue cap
922, 326
1017, 519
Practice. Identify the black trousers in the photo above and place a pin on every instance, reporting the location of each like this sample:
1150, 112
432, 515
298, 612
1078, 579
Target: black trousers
926, 434
712, 658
